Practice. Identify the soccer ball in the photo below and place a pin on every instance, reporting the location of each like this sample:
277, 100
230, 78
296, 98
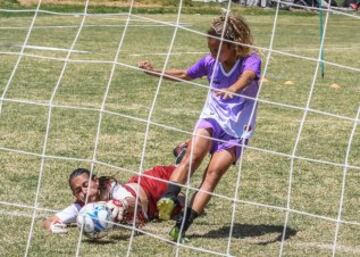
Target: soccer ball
95, 218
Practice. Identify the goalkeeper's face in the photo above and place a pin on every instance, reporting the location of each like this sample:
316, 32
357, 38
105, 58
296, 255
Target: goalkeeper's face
82, 186
227, 52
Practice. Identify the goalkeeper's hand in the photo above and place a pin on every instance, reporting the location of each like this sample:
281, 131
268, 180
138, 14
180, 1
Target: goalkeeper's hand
146, 65
118, 209
58, 228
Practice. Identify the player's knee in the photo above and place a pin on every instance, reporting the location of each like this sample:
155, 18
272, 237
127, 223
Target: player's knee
212, 177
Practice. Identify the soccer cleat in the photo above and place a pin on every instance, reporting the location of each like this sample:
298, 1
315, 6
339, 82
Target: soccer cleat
165, 206
175, 235
179, 152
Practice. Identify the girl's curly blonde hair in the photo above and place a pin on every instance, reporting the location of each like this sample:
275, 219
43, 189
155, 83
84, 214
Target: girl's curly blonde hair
236, 29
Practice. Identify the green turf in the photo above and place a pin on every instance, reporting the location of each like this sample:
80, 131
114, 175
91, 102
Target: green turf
316, 187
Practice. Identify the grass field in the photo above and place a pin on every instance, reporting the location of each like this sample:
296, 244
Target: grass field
320, 152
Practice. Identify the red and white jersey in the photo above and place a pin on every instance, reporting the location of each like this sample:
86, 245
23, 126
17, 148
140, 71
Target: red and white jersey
153, 182
69, 214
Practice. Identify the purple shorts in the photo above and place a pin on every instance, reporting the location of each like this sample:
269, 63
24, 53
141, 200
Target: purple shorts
227, 141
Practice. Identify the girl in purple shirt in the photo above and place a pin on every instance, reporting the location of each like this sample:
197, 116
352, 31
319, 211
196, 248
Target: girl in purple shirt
227, 120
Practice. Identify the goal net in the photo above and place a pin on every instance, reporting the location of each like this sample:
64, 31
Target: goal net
72, 95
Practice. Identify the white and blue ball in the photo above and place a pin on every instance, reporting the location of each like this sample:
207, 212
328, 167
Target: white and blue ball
95, 218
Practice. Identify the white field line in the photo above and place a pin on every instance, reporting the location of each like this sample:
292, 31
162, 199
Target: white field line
165, 54
348, 68
189, 82
329, 49
146, 23
288, 54
89, 26
25, 206
45, 48
20, 214
284, 105
258, 47
121, 19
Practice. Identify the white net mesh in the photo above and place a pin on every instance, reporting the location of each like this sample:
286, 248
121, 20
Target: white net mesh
72, 95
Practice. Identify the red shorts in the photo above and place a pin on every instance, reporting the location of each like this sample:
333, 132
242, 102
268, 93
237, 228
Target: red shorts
154, 188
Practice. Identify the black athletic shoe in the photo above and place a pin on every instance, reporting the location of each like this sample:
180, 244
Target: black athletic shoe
179, 152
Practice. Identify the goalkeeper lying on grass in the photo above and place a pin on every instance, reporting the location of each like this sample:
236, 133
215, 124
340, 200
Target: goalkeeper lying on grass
121, 198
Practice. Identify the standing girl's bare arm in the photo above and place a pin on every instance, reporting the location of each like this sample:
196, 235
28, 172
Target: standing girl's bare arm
171, 74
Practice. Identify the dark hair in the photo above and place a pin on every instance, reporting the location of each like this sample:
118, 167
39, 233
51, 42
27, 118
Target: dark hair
235, 29
79, 172
104, 181
105, 186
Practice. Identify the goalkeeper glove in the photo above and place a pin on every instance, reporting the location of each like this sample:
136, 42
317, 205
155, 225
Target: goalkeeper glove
58, 228
118, 209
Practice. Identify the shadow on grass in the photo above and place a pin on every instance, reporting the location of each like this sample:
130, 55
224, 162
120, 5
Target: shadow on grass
246, 230
101, 241
109, 239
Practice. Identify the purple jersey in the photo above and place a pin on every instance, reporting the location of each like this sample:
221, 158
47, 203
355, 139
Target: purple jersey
234, 114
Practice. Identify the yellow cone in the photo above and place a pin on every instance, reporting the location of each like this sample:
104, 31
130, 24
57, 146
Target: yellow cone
335, 86
289, 82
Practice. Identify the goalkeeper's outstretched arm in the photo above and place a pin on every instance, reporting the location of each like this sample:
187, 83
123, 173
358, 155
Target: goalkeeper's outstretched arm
57, 223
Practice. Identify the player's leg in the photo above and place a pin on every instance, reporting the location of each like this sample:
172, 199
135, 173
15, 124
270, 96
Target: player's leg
218, 165
197, 149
